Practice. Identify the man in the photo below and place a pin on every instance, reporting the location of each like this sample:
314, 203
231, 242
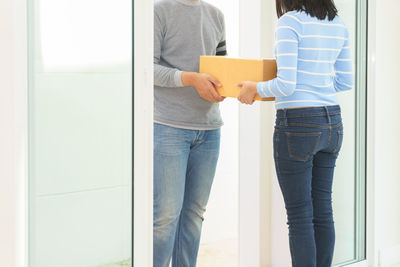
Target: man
187, 125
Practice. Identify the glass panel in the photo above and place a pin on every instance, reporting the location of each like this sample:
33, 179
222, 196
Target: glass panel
80, 133
349, 182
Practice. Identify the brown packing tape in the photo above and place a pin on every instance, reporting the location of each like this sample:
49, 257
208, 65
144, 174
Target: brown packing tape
231, 71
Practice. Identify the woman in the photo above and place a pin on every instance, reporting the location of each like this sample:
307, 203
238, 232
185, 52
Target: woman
313, 58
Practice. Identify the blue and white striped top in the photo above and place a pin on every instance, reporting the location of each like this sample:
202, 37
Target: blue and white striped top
314, 62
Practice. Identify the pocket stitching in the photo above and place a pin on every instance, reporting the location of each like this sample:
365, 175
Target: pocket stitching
340, 136
291, 154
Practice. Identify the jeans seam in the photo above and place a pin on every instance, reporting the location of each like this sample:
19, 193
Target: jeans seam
293, 258
178, 256
329, 136
313, 125
278, 172
276, 141
309, 115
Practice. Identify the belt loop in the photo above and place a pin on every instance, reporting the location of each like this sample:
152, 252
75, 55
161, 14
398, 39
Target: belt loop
328, 117
285, 123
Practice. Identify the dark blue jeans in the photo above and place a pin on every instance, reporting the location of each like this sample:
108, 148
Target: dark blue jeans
306, 145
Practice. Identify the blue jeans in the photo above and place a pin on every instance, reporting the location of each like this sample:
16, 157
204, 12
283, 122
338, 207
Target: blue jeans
306, 145
184, 167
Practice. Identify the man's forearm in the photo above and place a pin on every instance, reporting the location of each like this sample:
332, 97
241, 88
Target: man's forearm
167, 77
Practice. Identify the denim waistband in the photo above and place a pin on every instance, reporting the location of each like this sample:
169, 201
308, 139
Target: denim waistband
308, 112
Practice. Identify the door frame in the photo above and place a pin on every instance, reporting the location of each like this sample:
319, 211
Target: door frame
14, 133
143, 133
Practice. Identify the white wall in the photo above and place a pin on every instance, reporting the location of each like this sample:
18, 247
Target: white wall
386, 132
221, 218
255, 143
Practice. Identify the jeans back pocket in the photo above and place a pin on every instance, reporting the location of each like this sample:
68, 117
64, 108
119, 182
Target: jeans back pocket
302, 145
339, 142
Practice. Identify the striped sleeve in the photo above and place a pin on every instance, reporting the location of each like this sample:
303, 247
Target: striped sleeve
344, 76
163, 76
221, 48
286, 47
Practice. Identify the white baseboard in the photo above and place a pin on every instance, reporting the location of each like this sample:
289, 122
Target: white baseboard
389, 256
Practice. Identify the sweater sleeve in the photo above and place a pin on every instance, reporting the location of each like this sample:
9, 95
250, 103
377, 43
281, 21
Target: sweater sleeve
221, 48
344, 76
286, 47
163, 76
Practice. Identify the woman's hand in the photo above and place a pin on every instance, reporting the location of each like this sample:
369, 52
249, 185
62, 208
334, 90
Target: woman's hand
248, 92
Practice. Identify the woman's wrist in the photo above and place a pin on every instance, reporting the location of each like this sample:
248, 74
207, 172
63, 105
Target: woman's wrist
259, 89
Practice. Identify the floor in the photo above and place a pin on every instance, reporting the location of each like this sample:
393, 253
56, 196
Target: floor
126, 263
218, 254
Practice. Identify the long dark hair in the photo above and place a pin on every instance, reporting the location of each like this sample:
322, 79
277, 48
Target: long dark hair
315, 8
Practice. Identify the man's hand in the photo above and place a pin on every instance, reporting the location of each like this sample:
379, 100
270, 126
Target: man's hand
205, 85
248, 92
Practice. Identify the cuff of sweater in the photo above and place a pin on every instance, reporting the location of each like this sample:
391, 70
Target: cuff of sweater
261, 91
178, 78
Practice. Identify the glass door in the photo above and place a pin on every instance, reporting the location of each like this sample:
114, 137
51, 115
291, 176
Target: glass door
350, 178
80, 133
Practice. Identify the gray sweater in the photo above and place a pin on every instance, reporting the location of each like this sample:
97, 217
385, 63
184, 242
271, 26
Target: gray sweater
183, 31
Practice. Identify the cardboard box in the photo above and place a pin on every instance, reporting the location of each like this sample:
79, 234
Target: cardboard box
231, 71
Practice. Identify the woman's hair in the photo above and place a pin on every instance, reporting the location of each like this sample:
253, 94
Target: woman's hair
315, 8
